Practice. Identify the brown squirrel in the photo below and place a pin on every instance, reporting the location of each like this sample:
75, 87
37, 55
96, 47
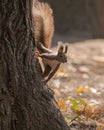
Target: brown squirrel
44, 28
52, 60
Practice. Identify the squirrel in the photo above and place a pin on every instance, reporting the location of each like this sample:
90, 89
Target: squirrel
52, 60
44, 28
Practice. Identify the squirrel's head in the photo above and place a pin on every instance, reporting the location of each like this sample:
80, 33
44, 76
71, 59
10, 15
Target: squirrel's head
61, 55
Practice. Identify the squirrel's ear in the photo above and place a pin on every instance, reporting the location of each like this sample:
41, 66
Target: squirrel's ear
60, 50
66, 49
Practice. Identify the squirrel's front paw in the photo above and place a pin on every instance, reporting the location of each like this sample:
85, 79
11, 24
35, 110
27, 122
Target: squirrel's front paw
37, 53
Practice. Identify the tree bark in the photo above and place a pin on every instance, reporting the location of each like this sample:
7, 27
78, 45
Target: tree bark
25, 103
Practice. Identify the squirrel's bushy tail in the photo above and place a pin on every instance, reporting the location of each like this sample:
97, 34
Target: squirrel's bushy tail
43, 23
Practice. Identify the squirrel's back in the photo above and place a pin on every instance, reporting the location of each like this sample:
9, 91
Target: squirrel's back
43, 23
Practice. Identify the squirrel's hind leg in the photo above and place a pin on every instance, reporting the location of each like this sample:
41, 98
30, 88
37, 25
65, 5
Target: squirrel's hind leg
46, 71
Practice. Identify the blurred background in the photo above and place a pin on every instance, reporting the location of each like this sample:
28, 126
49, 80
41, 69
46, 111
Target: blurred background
80, 22
77, 20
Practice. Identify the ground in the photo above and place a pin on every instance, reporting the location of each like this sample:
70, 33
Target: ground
82, 78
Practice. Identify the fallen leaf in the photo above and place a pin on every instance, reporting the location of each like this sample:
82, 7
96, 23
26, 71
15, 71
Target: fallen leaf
62, 105
81, 89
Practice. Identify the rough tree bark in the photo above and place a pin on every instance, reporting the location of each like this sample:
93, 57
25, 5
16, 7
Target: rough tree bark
25, 103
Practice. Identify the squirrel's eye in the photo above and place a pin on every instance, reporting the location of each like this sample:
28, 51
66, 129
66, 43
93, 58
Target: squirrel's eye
60, 55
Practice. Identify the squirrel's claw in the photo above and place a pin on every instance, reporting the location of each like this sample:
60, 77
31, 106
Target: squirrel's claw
37, 53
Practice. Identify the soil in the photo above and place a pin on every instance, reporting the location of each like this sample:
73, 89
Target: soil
81, 77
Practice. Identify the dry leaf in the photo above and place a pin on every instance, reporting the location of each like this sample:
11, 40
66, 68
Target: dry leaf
81, 89
62, 105
88, 111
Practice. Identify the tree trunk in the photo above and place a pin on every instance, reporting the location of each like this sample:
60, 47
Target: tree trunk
25, 103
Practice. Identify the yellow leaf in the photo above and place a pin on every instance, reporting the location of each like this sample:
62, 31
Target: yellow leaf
62, 105
81, 89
